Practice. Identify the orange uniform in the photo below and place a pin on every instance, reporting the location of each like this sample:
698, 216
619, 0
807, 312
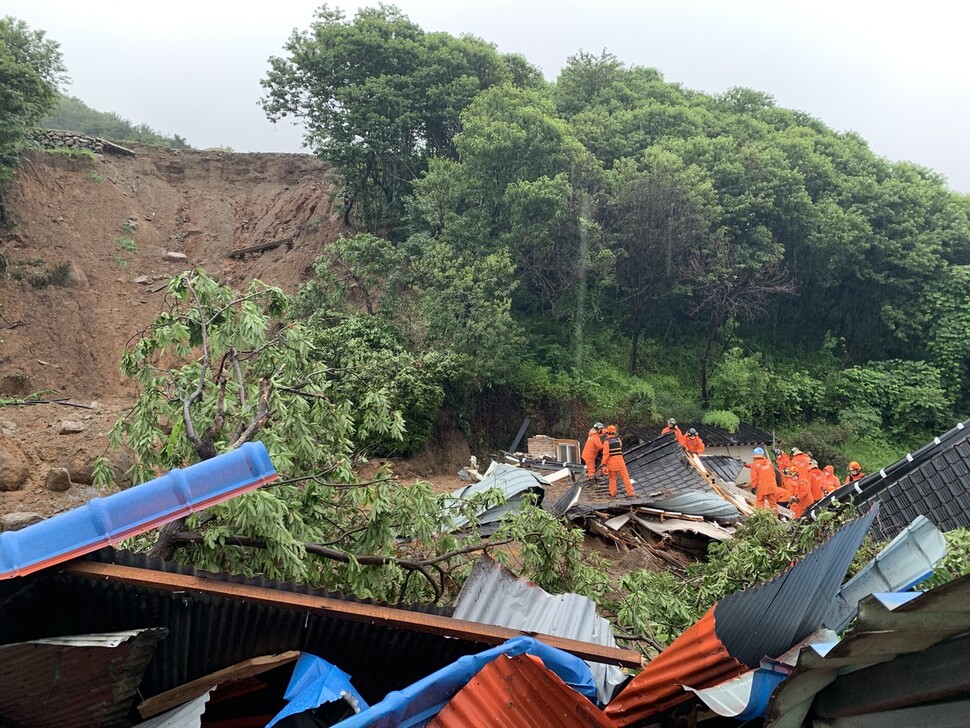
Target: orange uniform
855, 473
782, 460
802, 492
614, 463
763, 482
830, 482
815, 478
801, 461
676, 430
693, 443
592, 450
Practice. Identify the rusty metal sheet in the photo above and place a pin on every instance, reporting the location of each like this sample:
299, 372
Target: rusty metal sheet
518, 692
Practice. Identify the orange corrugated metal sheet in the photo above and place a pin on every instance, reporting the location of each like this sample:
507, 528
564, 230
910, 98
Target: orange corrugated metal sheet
696, 658
518, 692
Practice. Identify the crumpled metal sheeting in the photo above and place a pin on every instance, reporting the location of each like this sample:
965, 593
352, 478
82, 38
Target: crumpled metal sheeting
494, 595
512, 481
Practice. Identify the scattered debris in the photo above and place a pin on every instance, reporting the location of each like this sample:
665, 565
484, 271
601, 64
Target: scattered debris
72, 427
58, 480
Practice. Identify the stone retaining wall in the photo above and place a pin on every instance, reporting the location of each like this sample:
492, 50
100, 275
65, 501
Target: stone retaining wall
58, 139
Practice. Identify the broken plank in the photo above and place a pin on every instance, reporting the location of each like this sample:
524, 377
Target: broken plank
348, 611
191, 690
558, 475
258, 248
669, 514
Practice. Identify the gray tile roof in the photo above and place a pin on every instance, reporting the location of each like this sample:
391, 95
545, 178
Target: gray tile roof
934, 481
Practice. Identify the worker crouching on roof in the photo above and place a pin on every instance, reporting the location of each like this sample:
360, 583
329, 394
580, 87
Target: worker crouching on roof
593, 448
693, 442
763, 480
672, 427
613, 461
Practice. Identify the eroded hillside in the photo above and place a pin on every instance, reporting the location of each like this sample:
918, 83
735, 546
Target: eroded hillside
88, 257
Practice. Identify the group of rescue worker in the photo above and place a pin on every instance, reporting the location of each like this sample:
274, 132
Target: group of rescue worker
794, 479
605, 445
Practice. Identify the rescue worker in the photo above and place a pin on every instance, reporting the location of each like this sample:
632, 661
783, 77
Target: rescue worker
693, 442
781, 459
613, 461
801, 461
593, 448
801, 493
855, 473
830, 481
815, 481
763, 480
672, 427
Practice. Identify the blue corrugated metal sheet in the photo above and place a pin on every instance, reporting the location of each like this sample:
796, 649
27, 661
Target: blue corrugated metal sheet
907, 560
105, 521
768, 619
416, 704
494, 595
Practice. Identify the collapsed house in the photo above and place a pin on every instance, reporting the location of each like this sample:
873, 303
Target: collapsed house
93, 636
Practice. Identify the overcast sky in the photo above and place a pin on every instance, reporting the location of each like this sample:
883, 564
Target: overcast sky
896, 72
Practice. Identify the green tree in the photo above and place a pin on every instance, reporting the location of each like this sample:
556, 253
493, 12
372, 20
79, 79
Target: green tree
73, 114
31, 69
380, 97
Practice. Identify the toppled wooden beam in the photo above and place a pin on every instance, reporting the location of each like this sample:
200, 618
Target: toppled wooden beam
258, 248
349, 611
191, 690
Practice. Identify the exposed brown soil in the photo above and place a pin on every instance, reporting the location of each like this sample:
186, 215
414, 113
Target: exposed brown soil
65, 339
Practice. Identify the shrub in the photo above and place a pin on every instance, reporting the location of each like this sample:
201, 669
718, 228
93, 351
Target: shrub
722, 418
127, 243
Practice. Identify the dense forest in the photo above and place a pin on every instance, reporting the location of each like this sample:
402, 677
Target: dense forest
613, 245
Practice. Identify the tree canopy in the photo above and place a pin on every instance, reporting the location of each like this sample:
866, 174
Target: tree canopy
31, 70
73, 114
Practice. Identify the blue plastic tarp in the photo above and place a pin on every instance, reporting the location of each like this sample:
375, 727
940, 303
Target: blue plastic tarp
418, 703
104, 521
315, 682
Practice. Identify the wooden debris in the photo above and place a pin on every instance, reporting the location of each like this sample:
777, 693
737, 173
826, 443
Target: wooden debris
191, 690
558, 475
259, 248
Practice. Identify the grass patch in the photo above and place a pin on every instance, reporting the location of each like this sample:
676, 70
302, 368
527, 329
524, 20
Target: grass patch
128, 243
95, 177
73, 153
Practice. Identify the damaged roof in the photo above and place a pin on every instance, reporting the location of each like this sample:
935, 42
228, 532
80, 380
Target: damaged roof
80, 681
933, 481
714, 436
663, 478
906, 662
518, 692
494, 595
737, 632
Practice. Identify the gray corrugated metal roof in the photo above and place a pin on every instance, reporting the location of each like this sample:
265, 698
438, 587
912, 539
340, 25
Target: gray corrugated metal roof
889, 632
215, 632
905, 561
494, 595
768, 619
713, 436
663, 478
512, 481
